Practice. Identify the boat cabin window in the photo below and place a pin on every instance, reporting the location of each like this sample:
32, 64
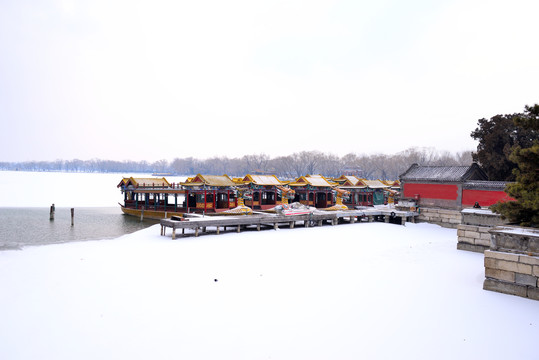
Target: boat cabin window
200, 198
192, 200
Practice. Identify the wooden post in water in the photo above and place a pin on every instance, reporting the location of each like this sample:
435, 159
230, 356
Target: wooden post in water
52, 212
72, 216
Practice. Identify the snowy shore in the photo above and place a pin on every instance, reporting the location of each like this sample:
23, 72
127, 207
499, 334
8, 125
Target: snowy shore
351, 291
369, 291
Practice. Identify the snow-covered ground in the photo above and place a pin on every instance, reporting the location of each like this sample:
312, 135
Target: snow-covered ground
355, 291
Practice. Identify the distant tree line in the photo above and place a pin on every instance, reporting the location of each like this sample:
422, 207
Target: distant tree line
379, 166
76, 165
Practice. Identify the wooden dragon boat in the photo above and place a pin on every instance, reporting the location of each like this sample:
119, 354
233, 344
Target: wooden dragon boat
156, 198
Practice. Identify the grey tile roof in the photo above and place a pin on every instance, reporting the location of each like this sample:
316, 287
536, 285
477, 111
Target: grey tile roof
484, 185
443, 173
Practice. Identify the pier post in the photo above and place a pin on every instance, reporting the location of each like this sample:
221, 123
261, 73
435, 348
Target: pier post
52, 212
258, 227
292, 223
217, 229
196, 231
142, 214
72, 216
173, 233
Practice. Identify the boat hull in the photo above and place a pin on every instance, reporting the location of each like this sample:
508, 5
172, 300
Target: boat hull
150, 214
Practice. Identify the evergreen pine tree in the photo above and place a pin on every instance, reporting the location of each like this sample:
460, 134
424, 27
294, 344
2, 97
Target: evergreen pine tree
525, 209
497, 137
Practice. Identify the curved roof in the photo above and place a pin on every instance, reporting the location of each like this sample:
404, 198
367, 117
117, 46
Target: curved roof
263, 180
443, 173
145, 182
347, 180
313, 180
375, 184
210, 180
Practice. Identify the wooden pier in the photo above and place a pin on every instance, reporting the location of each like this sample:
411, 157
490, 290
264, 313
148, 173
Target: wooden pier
199, 223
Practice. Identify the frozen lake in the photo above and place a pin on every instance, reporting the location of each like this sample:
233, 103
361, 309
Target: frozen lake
26, 197
32, 226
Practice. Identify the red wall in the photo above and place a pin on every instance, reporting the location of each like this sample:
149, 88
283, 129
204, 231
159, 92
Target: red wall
432, 191
483, 197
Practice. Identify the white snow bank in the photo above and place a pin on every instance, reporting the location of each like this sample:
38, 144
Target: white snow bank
478, 211
517, 230
361, 291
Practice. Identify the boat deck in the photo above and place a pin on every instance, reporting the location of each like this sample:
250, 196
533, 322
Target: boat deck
198, 222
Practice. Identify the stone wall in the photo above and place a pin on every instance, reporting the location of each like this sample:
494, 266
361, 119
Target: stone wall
481, 217
512, 262
473, 234
442, 217
473, 238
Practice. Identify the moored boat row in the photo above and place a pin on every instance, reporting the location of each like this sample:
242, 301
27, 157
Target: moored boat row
220, 194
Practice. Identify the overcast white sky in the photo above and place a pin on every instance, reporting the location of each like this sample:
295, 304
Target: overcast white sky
151, 80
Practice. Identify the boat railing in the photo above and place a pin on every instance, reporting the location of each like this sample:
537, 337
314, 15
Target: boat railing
159, 186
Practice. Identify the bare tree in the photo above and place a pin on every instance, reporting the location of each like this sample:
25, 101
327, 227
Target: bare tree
331, 165
368, 165
186, 166
310, 161
285, 166
464, 157
256, 162
160, 166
